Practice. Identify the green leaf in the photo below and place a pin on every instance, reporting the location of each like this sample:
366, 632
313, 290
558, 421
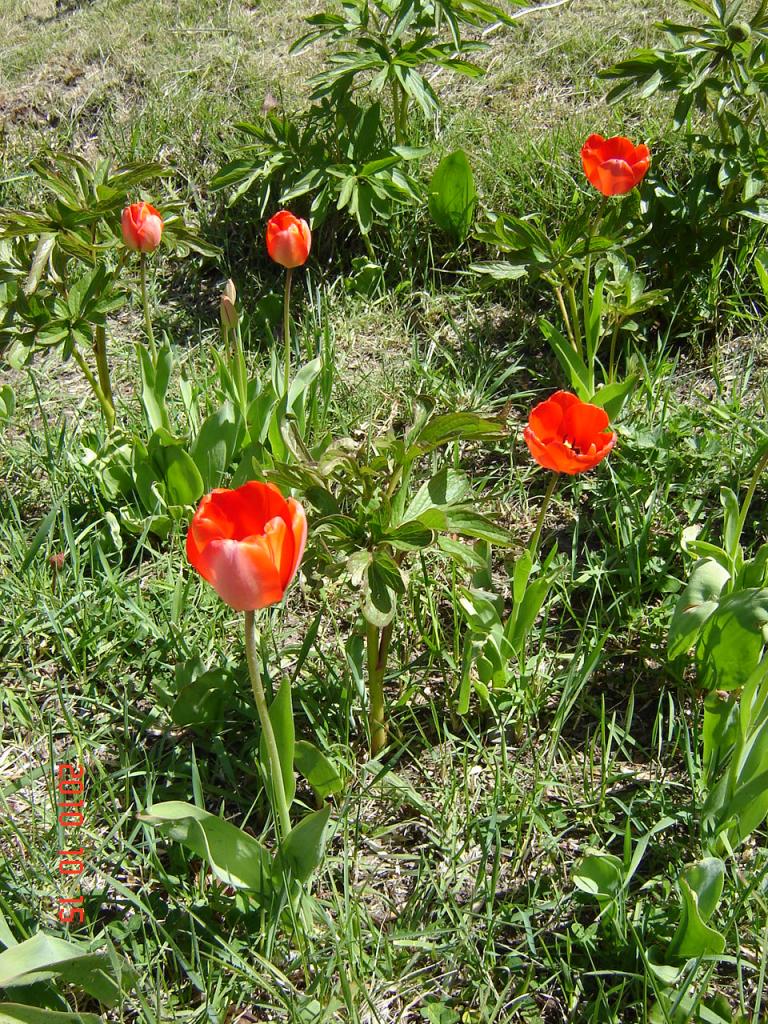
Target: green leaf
700, 887
457, 426
281, 717
40, 261
613, 396
695, 605
235, 857
731, 524
500, 270
176, 468
731, 640
600, 875
154, 384
382, 582
445, 488
204, 700
571, 362
44, 957
318, 769
15, 1013
303, 848
216, 444
452, 195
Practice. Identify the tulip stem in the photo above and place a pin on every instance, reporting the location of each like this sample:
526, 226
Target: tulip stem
287, 326
575, 321
533, 547
107, 407
566, 318
750, 494
102, 366
378, 650
275, 768
145, 303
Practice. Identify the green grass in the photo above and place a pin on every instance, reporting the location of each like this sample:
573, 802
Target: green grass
447, 891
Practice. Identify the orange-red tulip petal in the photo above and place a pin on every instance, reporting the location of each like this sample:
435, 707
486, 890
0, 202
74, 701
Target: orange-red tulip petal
142, 227
247, 543
288, 239
567, 435
614, 166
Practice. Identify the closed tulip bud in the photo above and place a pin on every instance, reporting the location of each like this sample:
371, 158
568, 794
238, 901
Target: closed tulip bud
142, 227
228, 309
288, 239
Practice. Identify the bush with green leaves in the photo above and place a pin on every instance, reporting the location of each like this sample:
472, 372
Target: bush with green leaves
63, 268
699, 216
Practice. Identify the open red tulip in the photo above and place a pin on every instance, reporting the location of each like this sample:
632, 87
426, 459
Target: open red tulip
567, 435
142, 227
247, 543
614, 166
288, 239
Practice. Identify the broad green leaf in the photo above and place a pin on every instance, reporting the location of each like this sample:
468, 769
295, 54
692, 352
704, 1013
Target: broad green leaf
217, 443
458, 426
302, 849
317, 768
613, 396
700, 887
445, 488
15, 1013
281, 717
731, 640
204, 700
452, 195
500, 270
731, 526
571, 362
696, 603
600, 875
45, 956
235, 857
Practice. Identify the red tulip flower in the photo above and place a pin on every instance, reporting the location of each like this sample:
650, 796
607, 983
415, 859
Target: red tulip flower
614, 166
288, 239
247, 543
142, 227
567, 435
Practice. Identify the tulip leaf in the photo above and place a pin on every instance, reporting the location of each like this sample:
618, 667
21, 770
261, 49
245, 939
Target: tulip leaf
613, 396
204, 700
571, 362
216, 444
731, 640
318, 769
600, 875
696, 603
16, 1013
700, 887
234, 856
44, 957
452, 195
281, 717
302, 849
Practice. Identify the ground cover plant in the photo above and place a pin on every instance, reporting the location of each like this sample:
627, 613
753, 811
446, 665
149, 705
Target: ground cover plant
383, 568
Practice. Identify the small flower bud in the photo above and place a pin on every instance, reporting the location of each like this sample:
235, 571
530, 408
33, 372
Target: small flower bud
228, 309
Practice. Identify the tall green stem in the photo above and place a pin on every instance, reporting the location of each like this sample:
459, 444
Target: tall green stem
566, 318
378, 651
145, 303
287, 326
533, 547
102, 367
751, 492
107, 407
575, 319
275, 768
